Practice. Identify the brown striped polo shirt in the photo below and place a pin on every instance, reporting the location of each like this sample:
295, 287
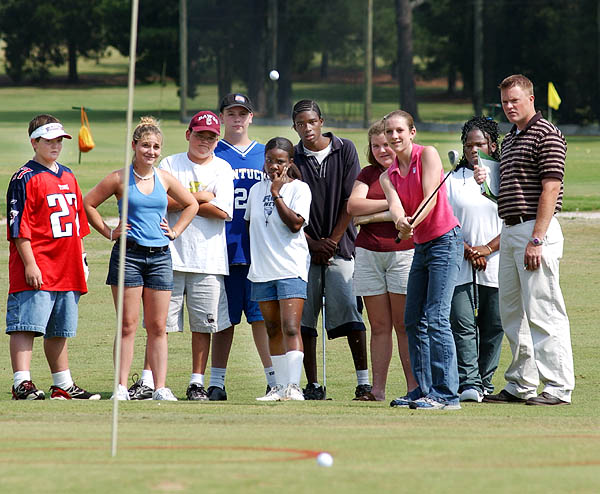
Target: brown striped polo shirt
527, 157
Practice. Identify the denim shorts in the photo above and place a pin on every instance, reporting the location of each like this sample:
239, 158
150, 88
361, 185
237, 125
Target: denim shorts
151, 270
238, 289
279, 289
48, 314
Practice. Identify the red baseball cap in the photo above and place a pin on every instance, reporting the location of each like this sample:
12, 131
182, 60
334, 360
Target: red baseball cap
205, 120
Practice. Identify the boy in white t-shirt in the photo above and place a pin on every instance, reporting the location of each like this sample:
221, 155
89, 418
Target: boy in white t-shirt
199, 254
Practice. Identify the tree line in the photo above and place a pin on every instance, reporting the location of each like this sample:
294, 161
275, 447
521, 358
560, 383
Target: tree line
241, 40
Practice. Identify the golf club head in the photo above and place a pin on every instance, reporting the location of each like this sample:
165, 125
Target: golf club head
453, 157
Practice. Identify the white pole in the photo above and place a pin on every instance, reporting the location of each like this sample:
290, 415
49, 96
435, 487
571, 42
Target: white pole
124, 212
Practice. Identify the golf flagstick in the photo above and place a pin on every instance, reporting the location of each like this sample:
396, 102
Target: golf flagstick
453, 158
123, 238
323, 324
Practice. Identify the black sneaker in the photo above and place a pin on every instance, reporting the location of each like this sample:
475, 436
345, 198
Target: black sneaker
139, 391
312, 392
72, 393
27, 391
362, 390
217, 394
196, 392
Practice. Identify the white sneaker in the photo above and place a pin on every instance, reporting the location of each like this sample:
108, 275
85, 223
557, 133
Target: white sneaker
122, 393
426, 403
293, 393
471, 394
164, 394
276, 393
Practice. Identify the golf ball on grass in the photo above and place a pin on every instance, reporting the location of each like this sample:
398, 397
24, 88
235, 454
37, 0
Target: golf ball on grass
324, 460
274, 75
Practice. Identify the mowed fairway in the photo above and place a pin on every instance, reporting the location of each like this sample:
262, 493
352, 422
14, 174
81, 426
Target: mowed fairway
244, 446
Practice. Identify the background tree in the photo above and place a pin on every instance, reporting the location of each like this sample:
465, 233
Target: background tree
39, 35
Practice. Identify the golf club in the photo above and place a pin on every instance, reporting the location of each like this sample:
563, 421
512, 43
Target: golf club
323, 269
475, 293
453, 158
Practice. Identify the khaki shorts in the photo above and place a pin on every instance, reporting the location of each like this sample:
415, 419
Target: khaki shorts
376, 273
206, 300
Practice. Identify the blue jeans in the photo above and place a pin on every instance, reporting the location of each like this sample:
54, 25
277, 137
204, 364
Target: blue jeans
427, 316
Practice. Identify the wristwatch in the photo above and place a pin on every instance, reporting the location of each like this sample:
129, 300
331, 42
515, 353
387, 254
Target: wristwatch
536, 241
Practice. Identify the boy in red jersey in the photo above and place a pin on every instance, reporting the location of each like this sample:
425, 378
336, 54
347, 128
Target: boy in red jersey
46, 226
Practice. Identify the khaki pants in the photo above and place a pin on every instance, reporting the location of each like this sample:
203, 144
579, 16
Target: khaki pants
534, 316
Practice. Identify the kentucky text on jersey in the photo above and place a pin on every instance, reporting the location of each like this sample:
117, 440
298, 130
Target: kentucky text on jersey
249, 173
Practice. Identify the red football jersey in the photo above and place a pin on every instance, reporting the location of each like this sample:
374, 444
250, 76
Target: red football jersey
47, 208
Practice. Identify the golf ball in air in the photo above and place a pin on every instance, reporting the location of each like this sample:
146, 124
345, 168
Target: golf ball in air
324, 460
274, 75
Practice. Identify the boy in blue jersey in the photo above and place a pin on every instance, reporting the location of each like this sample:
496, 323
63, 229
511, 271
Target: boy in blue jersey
246, 157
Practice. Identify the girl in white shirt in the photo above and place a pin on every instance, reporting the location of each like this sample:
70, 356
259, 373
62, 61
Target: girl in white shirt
277, 211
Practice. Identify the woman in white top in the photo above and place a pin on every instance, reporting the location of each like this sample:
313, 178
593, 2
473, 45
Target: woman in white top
475, 315
277, 211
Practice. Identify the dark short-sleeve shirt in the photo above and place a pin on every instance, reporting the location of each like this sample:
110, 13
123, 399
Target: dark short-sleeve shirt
331, 185
528, 157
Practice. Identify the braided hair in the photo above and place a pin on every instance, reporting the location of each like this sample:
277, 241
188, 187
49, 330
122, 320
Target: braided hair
489, 128
305, 105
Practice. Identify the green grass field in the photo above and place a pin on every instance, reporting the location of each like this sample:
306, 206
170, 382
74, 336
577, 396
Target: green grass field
244, 446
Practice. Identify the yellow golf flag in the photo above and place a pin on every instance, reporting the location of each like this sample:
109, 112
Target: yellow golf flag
553, 97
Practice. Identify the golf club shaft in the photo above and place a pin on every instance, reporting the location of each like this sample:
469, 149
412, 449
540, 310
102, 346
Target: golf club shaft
324, 330
414, 218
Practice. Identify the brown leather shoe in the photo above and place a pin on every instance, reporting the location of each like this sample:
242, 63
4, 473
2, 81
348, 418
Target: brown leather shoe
503, 397
546, 399
366, 397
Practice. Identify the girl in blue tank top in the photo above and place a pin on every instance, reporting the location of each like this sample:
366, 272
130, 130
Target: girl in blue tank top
147, 259
146, 212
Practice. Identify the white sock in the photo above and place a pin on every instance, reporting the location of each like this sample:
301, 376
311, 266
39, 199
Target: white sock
270, 373
147, 378
280, 366
197, 379
20, 376
62, 379
217, 377
294, 360
362, 376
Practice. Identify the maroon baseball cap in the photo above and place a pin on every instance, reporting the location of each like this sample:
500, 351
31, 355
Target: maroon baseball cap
205, 120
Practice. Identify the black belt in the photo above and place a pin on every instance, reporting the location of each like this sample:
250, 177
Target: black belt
515, 220
133, 245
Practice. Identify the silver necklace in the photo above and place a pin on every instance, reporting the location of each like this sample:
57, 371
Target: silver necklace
147, 177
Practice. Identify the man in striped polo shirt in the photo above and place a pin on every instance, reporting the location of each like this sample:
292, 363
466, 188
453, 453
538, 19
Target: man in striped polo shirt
532, 308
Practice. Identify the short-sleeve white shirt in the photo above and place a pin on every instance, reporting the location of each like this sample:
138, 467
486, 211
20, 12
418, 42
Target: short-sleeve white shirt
202, 246
276, 252
479, 222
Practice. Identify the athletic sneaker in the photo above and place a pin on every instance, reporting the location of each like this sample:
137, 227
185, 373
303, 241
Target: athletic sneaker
361, 390
164, 394
401, 402
293, 393
139, 391
431, 404
122, 393
313, 392
215, 393
471, 394
72, 393
26, 390
196, 392
276, 393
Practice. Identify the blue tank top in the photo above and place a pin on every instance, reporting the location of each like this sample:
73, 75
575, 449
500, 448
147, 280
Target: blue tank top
145, 213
